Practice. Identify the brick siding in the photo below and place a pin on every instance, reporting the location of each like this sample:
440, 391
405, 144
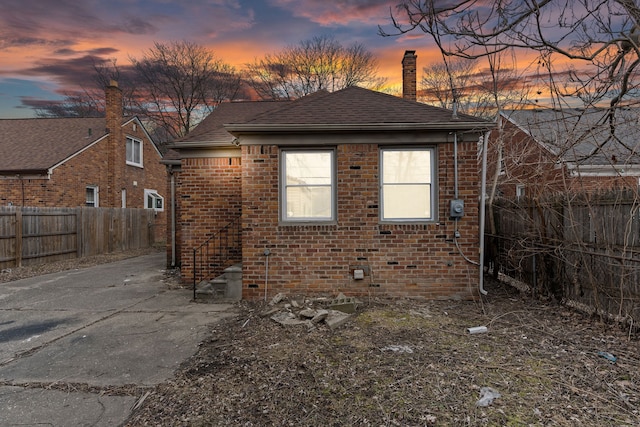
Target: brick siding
209, 199
401, 260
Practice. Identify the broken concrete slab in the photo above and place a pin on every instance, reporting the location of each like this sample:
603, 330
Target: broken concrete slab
336, 318
307, 313
288, 319
277, 298
269, 311
320, 316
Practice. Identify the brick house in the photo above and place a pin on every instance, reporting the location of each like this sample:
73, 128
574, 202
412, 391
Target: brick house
353, 191
68, 162
544, 150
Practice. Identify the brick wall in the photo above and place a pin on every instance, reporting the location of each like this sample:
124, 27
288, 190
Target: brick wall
403, 260
67, 184
209, 199
115, 156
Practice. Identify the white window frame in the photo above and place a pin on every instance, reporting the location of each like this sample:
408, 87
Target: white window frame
430, 183
136, 148
520, 191
96, 200
156, 199
284, 218
502, 165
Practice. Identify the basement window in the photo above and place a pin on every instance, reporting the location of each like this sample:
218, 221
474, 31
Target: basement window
407, 190
307, 185
152, 200
134, 152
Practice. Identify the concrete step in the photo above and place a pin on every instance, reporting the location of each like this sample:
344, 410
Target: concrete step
226, 287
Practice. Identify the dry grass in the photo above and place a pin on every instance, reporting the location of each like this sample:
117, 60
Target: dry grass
408, 363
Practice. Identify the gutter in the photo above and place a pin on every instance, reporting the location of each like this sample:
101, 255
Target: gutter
251, 128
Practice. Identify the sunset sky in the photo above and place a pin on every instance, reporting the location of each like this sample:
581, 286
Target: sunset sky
46, 46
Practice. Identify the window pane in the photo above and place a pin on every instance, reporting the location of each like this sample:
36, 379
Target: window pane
308, 202
406, 166
407, 201
308, 185
129, 150
406, 184
90, 196
136, 151
308, 168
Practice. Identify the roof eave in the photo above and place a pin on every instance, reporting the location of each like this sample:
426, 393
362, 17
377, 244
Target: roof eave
244, 128
202, 144
18, 172
603, 170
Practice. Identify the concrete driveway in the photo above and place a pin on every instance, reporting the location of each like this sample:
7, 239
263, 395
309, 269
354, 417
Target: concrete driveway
80, 348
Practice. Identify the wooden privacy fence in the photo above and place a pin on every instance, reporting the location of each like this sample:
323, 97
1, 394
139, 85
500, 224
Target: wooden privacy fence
584, 250
36, 235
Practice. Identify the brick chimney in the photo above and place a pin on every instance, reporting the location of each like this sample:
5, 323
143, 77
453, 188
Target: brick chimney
115, 145
409, 75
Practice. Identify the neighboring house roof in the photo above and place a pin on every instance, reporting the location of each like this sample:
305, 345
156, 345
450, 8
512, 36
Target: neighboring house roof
354, 109
584, 138
36, 145
39, 144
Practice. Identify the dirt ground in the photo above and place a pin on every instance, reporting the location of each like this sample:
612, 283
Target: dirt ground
400, 363
408, 363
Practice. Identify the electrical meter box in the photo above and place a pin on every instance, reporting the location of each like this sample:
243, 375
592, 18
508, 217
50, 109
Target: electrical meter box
457, 208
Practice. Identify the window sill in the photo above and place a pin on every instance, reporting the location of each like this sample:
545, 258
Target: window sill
316, 226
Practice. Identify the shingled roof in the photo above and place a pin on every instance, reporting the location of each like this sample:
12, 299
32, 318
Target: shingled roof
36, 145
584, 137
211, 130
354, 108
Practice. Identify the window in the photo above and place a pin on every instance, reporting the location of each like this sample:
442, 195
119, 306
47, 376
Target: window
91, 196
520, 191
407, 190
134, 152
307, 191
152, 200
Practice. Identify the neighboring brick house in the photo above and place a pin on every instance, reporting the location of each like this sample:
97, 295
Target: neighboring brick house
68, 162
544, 151
349, 191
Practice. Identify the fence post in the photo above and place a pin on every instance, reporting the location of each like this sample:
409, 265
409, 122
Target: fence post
18, 237
79, 239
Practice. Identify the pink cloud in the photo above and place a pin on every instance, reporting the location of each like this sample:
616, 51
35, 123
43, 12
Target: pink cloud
339, 12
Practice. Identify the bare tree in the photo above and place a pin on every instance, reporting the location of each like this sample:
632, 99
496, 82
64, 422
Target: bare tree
321, 63
477, 91
585, 54
179, 83
438, 79
599, 39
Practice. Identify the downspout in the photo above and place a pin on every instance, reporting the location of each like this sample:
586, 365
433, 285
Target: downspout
455, 169
21, 178
483, 191
173, 217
